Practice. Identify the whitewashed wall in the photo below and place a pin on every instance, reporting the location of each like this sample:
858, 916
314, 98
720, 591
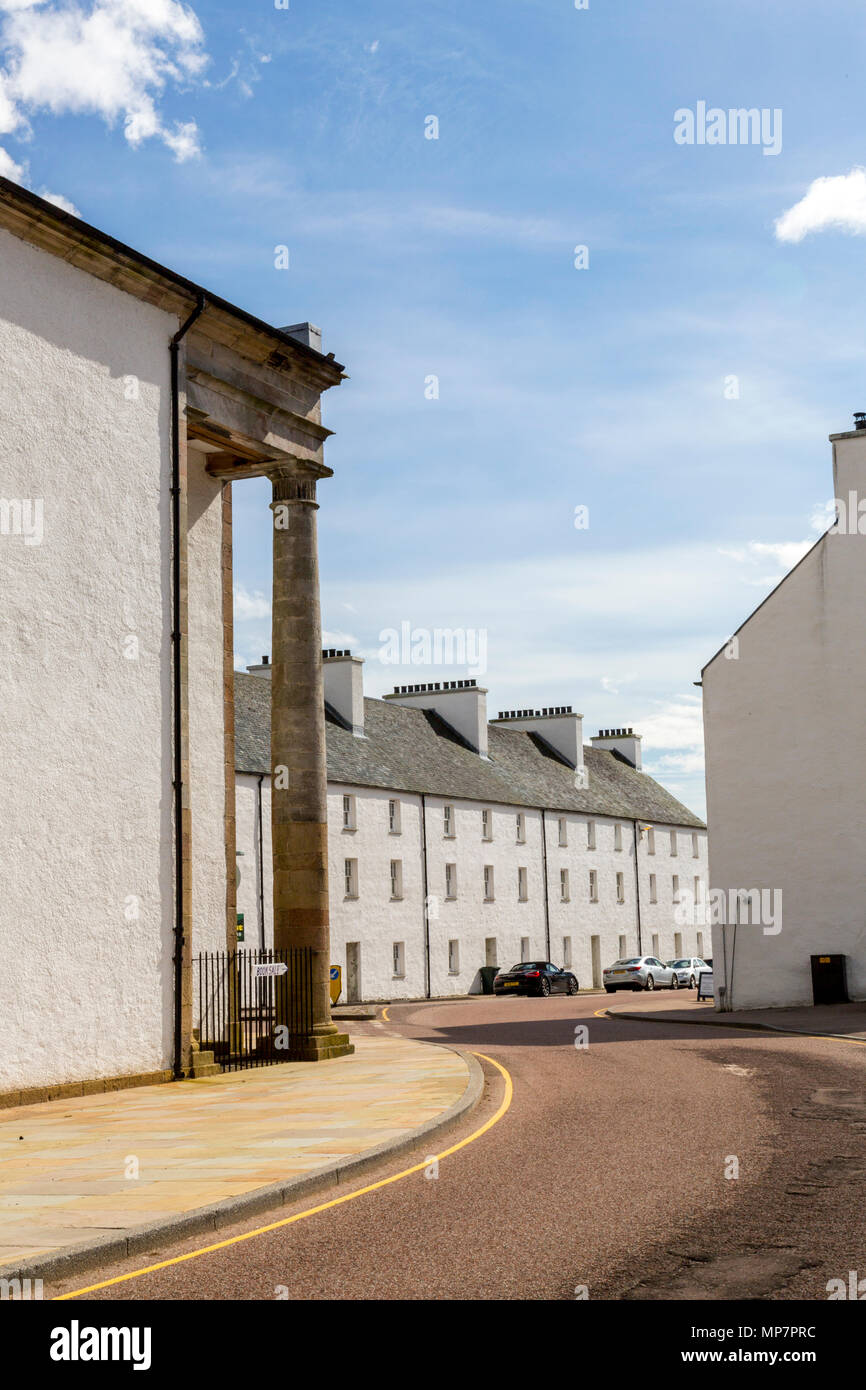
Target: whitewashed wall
786, 769
376, 922
86, 910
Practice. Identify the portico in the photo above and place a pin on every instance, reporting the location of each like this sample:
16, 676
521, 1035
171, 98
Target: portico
282, 438
131, 401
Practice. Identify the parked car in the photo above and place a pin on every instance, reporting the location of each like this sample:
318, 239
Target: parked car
639, 972
535, 977
687, 970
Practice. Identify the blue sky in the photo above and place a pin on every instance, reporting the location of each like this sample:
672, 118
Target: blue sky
206, 136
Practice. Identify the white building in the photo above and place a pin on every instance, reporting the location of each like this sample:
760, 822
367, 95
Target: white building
129, 400
786, 769
520, 841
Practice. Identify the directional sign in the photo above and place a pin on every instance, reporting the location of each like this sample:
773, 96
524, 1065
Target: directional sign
336, 982
262, 971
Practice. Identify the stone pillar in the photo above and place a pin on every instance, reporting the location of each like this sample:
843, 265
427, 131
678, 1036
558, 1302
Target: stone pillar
299, 806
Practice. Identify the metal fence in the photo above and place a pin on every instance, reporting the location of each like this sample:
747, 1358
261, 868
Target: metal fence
254, 1007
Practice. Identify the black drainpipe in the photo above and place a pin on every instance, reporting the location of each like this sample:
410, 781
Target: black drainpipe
424, 890
637, 891
546, 892
174, 351
261, 869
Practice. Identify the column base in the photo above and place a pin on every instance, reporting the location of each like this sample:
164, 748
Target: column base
316, 1047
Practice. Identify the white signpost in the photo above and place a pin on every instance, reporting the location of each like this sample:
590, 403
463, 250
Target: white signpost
262, 971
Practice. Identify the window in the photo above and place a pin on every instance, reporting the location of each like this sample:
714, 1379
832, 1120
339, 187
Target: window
564, 896
453, 957
521, 828
696, 849
651, 841
488, 883
623, 947
490, 951
674, 850
486, 825
620, 888
524, 948
678, 944
451, 880
593, 885
563, 831
656, 947
399, 959
522, 889
566, 953
654, 897
349, 813
701, 944
697, 889
350, 876
448, 822
617, 837
590, 834
396, 878
394, 826
675, 886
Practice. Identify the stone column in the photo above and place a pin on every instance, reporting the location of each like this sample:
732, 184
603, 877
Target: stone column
299, 806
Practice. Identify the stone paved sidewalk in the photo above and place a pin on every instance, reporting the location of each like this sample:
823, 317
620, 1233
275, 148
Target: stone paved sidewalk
825, 1020
66, 1167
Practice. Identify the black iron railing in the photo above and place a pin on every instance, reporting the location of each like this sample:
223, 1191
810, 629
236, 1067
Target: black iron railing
254, 1007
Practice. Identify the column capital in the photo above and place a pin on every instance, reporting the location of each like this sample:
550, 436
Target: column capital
294, 480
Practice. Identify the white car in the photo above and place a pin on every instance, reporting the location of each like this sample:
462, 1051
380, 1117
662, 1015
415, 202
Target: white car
688, 970
639, 972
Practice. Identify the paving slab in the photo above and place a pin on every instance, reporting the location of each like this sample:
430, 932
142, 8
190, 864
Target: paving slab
77, 1176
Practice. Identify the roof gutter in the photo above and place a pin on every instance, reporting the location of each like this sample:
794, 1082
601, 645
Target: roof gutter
180, 942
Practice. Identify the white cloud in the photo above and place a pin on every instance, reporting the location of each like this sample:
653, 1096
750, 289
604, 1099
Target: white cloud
60, 202
612, 683
838, 201
113, 58
784, 554
251, 606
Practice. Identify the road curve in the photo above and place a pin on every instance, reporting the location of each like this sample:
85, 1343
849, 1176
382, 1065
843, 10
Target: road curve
610, 1175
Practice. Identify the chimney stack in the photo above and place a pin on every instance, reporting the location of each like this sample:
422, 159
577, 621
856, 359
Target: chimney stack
558, 725
624, 741
263, 670
306, 333
344, 687
462, 704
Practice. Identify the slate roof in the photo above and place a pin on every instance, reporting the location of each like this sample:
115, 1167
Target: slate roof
414, 750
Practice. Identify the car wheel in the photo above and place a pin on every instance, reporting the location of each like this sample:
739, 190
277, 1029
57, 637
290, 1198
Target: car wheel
573, 986
675, 981
610, 989
691, 982
650, 982
544, 988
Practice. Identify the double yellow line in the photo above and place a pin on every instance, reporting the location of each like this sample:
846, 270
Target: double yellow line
323, 1206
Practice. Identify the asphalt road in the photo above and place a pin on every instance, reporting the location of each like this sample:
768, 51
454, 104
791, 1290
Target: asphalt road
606, 1173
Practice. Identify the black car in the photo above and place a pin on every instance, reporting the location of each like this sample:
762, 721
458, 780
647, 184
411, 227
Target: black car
535, 977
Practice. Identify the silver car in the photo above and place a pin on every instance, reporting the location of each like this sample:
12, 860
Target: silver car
688, 970
639, 972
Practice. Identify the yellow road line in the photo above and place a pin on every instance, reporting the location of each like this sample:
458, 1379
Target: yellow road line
324, 1206
385, 1018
